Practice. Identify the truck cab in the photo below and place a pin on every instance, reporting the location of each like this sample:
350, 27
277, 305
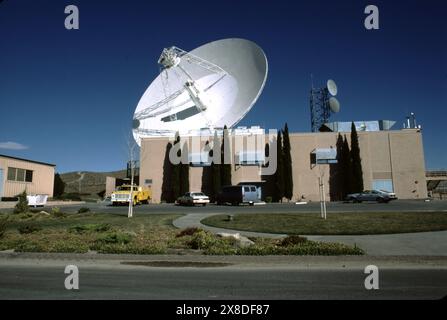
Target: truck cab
125, 193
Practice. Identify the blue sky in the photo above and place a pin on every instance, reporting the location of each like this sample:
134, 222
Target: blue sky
68, 96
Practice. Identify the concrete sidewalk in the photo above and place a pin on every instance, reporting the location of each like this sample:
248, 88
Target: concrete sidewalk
406, 244
11, 204
35, 259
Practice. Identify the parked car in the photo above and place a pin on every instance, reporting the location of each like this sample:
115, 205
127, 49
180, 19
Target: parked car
369, 195
193, 198
238, 194
392, 195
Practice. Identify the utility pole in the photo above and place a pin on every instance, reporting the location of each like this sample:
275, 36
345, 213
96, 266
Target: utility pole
131, 147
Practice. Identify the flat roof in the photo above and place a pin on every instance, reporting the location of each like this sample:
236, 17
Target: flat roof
27, 160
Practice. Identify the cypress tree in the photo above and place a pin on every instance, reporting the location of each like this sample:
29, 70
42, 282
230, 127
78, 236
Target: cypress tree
345, 167
166, 188
215, 166
175, 180
184, 171
279, 175
226, 157
59, 186
356, 162
336, 173
288, 177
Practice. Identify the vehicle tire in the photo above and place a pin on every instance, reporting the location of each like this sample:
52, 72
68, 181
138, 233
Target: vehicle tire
380, 200
203, 204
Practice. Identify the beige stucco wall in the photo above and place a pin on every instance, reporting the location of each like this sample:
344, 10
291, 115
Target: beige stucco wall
43, 178
385, 155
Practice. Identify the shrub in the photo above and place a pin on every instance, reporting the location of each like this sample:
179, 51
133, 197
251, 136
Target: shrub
188, 232
268, 199
114, 238
68, 246
3, 226
56, 212
28, 246
129, 248
28, 228
22, 204
101, 194
74, 196
202, 240
83, 210
82, 228
292, 240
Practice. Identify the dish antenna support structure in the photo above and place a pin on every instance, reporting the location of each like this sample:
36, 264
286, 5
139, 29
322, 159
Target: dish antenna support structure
322, 104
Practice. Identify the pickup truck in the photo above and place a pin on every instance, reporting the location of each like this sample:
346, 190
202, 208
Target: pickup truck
123, 194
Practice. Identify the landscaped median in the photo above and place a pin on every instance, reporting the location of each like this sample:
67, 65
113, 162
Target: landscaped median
356, 223
143, 234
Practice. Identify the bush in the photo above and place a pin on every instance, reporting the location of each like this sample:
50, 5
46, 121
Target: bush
202, 240
83, 228
101, 194
268, 199
292, 240
114, 238
28, 246
57, 213
68, 247
188, 232
28, 228
22, 204
128, 248
74, 196
3, 226
83, 210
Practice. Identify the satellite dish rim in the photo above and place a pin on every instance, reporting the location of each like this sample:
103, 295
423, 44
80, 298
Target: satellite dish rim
230, 111
334, 104
332, 87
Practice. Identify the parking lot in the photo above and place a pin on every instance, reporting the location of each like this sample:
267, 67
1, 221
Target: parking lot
393, 206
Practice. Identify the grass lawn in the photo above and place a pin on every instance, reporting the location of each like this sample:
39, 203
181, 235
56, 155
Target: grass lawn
142, 234
336, 223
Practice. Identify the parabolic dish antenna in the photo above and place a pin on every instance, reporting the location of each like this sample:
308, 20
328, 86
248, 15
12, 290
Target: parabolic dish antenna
334, 104
331, 87
209, 87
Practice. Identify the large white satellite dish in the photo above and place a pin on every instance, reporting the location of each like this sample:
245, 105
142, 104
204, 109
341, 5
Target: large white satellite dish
332, 87
209, 87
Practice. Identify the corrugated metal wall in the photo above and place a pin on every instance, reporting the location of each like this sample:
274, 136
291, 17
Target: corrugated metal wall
43, 178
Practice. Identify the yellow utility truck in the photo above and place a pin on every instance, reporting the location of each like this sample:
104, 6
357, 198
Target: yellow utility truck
123, 194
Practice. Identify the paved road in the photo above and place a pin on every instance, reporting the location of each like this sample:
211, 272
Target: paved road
399, 205
30, 279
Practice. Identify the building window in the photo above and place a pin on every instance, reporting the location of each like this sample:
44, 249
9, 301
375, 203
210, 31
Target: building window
383, 185
29, 176
12, 174
22, 175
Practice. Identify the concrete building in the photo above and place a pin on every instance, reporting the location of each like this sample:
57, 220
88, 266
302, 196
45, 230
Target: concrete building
392, 160
18, 174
